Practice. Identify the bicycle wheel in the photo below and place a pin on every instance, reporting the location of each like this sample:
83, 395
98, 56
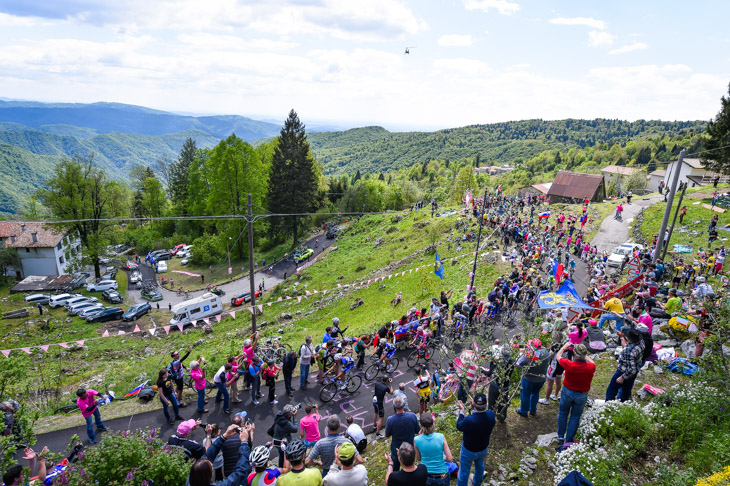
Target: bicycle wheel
413, 359
372, 371
281, 353
448, 390
287, 346
66, 409
392, 366
353, 383
430, 351
328, 392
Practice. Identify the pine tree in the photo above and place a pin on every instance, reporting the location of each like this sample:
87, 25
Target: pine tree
179, 173
357, 177
719, 139
294, 178
381, 177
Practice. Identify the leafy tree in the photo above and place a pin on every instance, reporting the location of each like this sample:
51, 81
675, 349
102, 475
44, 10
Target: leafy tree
294, 180
365, 195
32, 208
644, 156
80, 193
209, 250
718, 140
558, 159
179, 174
9, 258
153, 197
464, 181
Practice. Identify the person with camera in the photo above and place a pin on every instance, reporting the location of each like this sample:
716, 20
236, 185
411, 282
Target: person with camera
347, 473
201, 472
261, 475
402, 427
298, 474
284, 427
385, 386
87, 405
324, 449
232, 444
197, 373
176, 368
166, 391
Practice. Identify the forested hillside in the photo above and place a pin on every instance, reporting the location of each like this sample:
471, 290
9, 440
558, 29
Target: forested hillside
22, 173
374, 149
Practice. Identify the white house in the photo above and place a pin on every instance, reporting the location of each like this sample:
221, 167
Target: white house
611, 172
654, 178
42, 249
692, 171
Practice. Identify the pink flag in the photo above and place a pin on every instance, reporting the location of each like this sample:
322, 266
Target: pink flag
261, 307
63, 345
402, 273
269, 304
250, 309
152, 331
6, 352
195, 323
418, 268
390, 276
167, 329
368, 282
288, 297
207, 321
324, 292
299, 299
474, 254
218, 318
316, 291
233, 313
339, 286
80, 343
410, 271
468, 288
25, 350
137, 329
121, 333
279, 299
309, 293
106, 334
180, 326
44, 347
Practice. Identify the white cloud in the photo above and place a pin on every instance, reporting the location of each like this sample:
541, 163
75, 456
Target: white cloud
585, 21
636, 46
456, 40
505, 7
7, 20
600, 39
461, 66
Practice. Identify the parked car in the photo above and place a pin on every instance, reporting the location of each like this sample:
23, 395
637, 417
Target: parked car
333, 232
243, 298
38, 298
185, 261
135, 277
302, 255
177, 248
151, 294
130, 265
104, 260
112, 296
90, 311
111, 274
78, 300
108, 314
163, 256
60, 299
136, 311
102, 285
76, 308
617, 257
161, 267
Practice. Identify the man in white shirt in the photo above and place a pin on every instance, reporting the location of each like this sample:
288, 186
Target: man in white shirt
703, 289
306, 352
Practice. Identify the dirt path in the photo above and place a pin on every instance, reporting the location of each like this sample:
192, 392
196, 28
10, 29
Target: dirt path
613, 232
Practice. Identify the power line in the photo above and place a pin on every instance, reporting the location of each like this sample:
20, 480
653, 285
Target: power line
710, 150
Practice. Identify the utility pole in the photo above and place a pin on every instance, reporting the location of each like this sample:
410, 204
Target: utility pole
251, 275
683, 188
479, 237
668, 209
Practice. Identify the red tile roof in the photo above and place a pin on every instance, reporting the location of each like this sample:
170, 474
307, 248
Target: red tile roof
46, 236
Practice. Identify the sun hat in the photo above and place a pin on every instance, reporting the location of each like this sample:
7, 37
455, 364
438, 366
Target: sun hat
185, 427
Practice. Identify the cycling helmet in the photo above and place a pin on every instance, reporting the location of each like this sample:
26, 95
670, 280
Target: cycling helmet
259, 456
394, 322
335, 320
338, 356
295, 451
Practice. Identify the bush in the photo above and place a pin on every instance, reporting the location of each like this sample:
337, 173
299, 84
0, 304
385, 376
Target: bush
208, 250
136, 458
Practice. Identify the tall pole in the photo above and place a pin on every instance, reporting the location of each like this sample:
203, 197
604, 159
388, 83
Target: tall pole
251, 275
683, 188
479, 237
668, 209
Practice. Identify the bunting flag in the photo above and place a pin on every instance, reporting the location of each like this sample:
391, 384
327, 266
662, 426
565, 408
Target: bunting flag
299, 299
279, 299
25, 350
339, 286
269, 304
261, 307
250, 309
80, 343
63, 345
324, 292
137, 329
207, 321
152, 331
106, 334
309, 293
180, 326
233, 313
368, 282
121, 333
410, 271
195, 323
167, 329
218, 318
288, 297
6, 352
403, 273
44, 347
316, 292
390, 276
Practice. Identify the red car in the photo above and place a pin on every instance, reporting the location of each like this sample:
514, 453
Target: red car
177, 248
243, 298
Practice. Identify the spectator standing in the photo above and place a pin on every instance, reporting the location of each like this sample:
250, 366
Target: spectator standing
197, 373
476, 429
254, 371
553, 376
247, 352
284, 426
166, 390
324, 449
385, 386
433, 451
536, 361
201, 472
360, 347
347, 473
299, 475
270, 372
578, 377
309, 425
220, 382
87, 405
211, 433
629, 364
287, 369
402, 427
401, 392
306, 353
232, 378
177, 373
182, 439
409, 474
232, 445
500, 372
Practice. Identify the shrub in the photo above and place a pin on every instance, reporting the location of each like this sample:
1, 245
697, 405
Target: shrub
136, 458
207, 250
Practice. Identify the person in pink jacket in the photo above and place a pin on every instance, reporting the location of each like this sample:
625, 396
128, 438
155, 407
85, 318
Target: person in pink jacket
87, 404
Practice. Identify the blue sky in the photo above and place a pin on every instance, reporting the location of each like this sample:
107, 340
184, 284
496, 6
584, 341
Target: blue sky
342, 61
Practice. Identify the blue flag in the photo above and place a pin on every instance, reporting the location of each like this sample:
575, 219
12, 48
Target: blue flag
554, 267
566, 296
438, 267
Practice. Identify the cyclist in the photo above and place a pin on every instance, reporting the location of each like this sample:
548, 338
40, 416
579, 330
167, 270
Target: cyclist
513, 296
386, 350
494, 299
460, 321
343, 364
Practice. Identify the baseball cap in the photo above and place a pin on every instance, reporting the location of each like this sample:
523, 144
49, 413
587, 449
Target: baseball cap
480, 401
346, 451
426, 419
185, 427
580, 350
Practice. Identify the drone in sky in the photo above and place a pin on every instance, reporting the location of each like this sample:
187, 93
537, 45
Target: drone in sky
408, 49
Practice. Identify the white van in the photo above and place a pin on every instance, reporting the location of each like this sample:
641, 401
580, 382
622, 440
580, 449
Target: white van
60, 299
102, 285
187, 312
38, 299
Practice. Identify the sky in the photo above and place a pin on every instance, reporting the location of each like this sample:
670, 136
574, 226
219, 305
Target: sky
344, 61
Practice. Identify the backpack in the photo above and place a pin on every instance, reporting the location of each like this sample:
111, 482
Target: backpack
270, 430
172, 371
146, 394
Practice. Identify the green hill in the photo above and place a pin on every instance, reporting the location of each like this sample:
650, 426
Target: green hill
21, 173
374, 149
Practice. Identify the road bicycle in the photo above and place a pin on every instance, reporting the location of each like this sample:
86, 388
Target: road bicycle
209, 385
372, 371
424, 352
334, 386
451, 385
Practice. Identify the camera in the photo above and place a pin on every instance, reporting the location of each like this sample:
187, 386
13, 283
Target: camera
277, 442
299, 405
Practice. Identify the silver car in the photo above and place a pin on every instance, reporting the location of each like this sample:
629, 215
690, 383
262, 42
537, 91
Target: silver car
90, 311
76, 308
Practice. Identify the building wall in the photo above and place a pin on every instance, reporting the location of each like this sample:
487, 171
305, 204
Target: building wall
653, 183
39, 261
685, 171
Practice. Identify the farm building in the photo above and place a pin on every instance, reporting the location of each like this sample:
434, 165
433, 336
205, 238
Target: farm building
574, 187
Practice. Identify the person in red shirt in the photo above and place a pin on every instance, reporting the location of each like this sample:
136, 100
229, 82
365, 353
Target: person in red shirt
576, 384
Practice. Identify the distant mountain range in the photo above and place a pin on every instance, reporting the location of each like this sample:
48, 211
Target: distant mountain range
35, 136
